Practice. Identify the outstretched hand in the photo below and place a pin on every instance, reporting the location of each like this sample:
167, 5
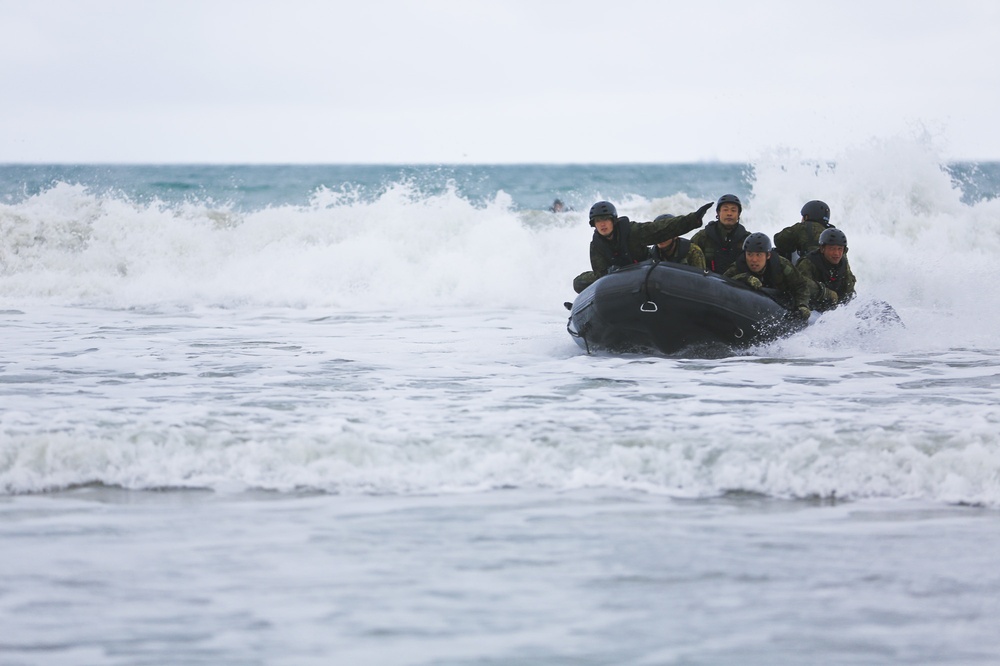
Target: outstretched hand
804, 312
701, 211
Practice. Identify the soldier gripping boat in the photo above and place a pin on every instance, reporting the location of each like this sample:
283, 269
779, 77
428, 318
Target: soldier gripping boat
704, 292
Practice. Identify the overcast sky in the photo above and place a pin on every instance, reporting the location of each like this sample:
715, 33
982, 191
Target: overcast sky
495, 81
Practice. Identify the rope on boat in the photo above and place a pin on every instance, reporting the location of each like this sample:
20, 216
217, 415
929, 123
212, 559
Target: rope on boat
649, 305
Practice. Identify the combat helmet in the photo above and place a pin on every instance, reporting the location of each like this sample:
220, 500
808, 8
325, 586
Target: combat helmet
757, 242
833, 236
601, 210
816, 210
728, 198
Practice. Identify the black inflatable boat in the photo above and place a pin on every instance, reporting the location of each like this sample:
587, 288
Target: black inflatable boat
669, 308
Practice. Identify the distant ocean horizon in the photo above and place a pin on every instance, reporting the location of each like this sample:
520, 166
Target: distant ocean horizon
536, 185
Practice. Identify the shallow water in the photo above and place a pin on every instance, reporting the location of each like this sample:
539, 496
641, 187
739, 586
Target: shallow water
97, 575
469, 488
462, 400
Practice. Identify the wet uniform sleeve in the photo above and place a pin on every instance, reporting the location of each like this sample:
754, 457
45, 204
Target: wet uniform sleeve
848, 285
598, 261
785, 242
798, 284
808, 272
584, 280
695, 257
665, 227
733, 274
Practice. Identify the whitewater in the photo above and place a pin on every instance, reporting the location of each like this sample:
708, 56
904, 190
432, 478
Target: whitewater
333, 415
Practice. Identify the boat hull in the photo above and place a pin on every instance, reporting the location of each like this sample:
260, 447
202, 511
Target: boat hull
670, 308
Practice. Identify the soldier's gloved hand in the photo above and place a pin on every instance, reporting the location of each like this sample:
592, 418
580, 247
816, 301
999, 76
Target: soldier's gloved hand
804, 312
701, 211
831, 295
754, 283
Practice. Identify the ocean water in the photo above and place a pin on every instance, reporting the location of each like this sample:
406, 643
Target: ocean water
331, 414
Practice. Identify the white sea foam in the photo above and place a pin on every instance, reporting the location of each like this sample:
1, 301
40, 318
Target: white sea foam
913, 242
415, 343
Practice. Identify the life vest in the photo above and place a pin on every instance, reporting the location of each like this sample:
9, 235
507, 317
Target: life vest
834, 276
769, 278
681, 248
721, 257
616, 249
771, 269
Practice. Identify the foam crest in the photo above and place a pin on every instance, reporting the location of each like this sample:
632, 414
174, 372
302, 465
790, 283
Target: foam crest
341, 457
403, 248
914, 242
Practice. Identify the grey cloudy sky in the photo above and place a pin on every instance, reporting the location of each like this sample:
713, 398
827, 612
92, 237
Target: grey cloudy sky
492, 81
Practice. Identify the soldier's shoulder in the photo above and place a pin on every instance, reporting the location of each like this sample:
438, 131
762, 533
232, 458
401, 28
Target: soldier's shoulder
786, 265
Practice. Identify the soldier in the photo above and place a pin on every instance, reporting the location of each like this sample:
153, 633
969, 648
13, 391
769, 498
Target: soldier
720, 241
619, 242
679, 251
803, 236
758, 267
827, 271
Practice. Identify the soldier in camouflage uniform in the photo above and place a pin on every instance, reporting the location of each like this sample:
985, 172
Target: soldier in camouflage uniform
722, 239
620, 242
678, 251
803, 237
827, 271
758, 267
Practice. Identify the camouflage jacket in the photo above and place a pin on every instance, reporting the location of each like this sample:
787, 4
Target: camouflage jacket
824, 277
778, 274
801, 237
629, 244
720, 249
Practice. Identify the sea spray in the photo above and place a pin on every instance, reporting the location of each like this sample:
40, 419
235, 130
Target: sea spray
914, 242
